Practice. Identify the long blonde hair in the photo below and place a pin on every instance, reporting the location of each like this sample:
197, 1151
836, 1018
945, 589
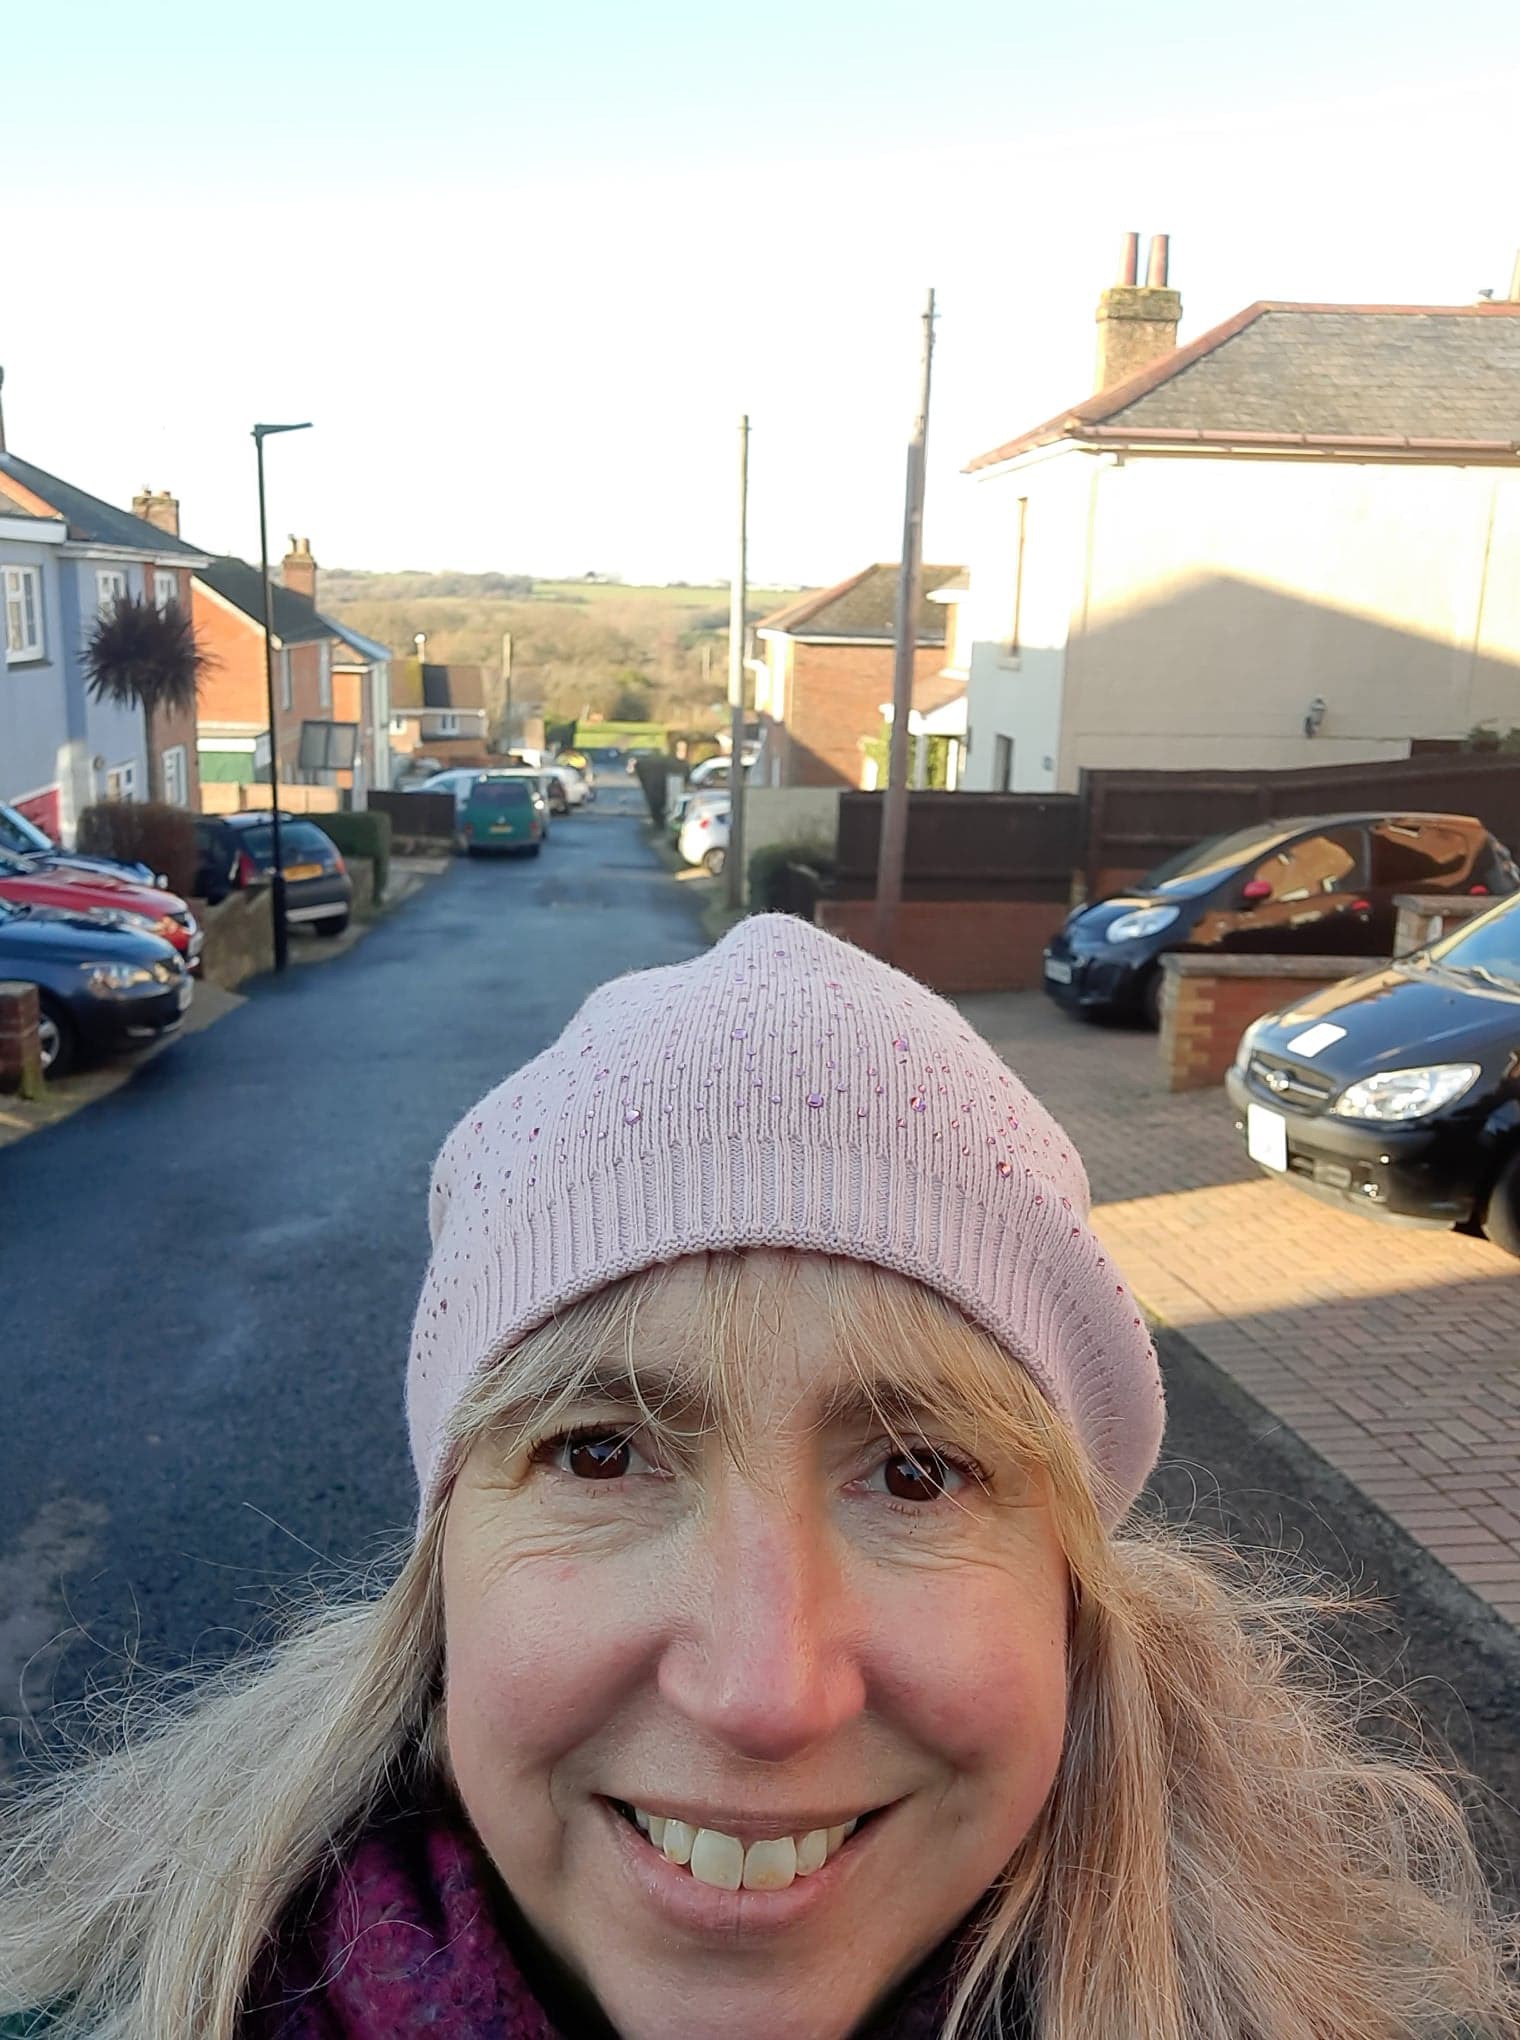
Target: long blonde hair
1222, 1857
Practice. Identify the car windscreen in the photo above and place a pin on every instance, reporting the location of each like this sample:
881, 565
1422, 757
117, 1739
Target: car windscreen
1486, 948
1201, 865
300, 843
17, 833
501, 793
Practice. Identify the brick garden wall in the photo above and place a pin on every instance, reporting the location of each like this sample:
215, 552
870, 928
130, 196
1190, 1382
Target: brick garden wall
958, 945
1209, 1002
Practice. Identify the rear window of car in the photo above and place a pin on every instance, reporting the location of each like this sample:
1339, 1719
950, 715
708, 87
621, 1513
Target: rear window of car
300, 842
501, 793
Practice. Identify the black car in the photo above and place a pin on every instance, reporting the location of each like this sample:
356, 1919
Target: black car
1319, 885
238, 850
102, 988
1398, 1093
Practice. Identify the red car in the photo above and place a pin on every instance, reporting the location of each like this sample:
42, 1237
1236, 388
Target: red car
34, 882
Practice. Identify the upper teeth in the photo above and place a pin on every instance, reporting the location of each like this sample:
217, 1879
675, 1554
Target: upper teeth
720, 1859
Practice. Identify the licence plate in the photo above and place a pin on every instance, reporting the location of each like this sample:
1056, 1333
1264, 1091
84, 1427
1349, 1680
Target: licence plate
1058, 972
186, 994
503, 829
1267, 1137
295, 871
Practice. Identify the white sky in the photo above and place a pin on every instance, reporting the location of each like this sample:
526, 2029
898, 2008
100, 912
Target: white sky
533, 357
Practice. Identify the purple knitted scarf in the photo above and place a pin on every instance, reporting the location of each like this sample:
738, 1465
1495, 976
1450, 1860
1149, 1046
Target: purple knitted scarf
410, 1940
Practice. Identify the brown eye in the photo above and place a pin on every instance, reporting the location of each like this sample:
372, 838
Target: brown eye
921, 1476
600, 1455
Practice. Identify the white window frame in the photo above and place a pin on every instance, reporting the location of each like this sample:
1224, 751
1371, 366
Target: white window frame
176, 768
165, 588
445, 723
110, 583
398, 725
25, 635
287, 682
121, 781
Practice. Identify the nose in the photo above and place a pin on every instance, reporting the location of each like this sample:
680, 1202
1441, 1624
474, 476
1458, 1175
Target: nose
764, 1662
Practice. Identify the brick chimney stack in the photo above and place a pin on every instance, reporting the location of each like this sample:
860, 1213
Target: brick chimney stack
298, 570
1137, 322
158, 508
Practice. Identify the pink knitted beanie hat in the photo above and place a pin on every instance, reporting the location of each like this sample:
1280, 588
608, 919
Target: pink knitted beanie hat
780, 1090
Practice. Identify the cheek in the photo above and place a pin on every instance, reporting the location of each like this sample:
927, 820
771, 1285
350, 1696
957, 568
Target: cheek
973, 1664
535, 1668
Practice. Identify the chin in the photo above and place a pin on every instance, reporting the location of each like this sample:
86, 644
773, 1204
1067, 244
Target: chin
659, 2005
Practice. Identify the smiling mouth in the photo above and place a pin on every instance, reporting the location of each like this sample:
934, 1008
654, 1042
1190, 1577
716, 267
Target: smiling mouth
770, 1864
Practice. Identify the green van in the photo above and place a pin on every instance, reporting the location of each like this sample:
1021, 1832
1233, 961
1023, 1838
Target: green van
501, 811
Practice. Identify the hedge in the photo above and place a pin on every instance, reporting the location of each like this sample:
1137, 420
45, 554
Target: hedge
365, 832
147, 832
774, 883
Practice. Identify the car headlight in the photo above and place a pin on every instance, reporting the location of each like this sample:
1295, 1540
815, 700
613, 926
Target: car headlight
1247, 1041
1406, 1094
1144, 921
111, 980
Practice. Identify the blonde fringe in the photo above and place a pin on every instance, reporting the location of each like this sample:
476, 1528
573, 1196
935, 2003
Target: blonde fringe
1223, 1857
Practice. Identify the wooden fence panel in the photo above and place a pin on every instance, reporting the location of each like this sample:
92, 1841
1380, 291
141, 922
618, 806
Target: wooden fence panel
966, 845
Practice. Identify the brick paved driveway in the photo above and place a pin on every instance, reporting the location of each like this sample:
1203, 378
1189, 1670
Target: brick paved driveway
1394, 1353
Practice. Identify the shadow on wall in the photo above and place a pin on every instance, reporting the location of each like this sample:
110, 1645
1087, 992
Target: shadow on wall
1223, 672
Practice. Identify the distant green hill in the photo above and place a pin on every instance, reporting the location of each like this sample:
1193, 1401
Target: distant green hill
578, 647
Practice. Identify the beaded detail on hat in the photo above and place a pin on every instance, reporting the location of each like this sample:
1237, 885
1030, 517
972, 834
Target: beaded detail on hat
782, 1089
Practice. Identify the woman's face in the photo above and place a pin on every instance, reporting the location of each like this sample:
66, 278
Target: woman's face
761, 1647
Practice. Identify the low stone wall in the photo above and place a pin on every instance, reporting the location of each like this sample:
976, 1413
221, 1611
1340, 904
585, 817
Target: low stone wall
1426, 917
239, 937
20, 1051
1209, 1001
958, 945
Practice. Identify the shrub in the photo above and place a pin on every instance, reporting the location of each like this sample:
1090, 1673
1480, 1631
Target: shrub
365, 832
143, 832
785, 878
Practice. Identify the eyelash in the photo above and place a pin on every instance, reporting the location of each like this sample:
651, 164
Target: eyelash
548, 1449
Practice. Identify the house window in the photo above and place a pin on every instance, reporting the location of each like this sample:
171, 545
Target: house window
110, 588
1016, 633
398, 725
1002, 765
287, 690
121, 782
446, 726
23, 613
165, 587
177, 776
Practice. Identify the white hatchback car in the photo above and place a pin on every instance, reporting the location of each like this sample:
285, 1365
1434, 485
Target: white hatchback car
704, 835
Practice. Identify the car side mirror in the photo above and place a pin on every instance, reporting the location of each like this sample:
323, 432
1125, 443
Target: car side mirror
1255, 889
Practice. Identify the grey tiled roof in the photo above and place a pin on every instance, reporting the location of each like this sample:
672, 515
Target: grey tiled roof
1421, 379
865, 606
295, 617
91, 521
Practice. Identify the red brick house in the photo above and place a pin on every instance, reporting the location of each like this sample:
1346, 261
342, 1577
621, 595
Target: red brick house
234, 716
826, 670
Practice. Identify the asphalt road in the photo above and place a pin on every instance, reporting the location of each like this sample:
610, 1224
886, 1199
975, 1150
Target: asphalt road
206, 1281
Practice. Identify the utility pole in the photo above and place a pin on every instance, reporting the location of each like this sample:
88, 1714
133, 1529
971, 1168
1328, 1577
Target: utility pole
278, 930
506, 675
894, 813
733, 866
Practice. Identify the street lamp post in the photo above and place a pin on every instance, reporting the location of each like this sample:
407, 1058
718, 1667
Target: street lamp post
277, 881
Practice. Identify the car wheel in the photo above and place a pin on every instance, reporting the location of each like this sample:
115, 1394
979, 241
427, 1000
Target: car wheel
55, 1033
1501, 1215
533, 849
714, 860
1151, 995
333, 926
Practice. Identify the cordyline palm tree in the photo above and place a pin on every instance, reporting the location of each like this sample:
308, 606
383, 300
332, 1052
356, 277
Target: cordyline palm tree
140, 656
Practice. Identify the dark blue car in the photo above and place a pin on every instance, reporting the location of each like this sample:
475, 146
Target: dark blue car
102, 988
1321, 885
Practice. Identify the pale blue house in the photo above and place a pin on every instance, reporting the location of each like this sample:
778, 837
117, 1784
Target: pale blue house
64, 556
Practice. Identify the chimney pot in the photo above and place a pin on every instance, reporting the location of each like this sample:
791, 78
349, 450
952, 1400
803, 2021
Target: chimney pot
157, 507
298, 569
1129, 261
1137, 322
